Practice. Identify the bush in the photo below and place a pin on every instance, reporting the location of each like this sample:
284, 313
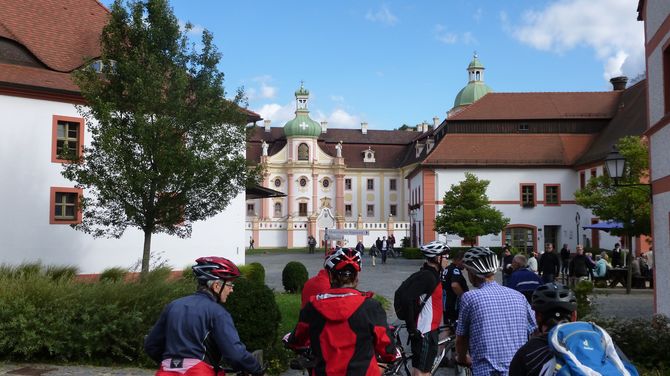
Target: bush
411, 253
116, 274
294, 276
254, 272
406, 242
582, 291
255, 313
61, 273
645, 342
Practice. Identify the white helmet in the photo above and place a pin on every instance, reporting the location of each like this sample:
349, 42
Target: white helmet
434, 248
482, 261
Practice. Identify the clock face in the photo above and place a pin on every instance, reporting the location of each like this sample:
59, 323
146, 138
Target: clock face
277, 182
326, 183
303, 182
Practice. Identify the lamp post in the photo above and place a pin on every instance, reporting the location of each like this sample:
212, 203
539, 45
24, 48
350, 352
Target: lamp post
578, 219
615, 163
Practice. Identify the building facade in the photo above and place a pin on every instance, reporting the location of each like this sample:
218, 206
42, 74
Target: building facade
536, 149
656, 17
40, 103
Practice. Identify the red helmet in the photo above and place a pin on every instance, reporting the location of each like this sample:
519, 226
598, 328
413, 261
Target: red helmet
212, 268
343, 257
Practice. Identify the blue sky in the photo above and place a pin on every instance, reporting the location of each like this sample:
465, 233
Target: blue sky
390, 63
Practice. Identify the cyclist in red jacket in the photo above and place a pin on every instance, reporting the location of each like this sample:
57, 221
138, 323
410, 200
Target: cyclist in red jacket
346, 327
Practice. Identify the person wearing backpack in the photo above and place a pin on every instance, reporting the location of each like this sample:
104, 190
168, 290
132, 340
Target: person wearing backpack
346, 328
418, 301
555, 311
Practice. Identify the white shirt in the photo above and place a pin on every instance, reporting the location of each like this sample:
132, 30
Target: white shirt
532, 264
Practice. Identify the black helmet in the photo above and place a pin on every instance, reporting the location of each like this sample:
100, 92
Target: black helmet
553, 296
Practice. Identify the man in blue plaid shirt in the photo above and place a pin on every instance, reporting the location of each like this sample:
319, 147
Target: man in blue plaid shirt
494, 321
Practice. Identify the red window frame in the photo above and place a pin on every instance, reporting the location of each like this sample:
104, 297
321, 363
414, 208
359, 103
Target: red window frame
52, 205
522, 202
558, 195
582, 179
54, 136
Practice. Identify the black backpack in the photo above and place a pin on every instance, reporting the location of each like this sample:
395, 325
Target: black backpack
402, 299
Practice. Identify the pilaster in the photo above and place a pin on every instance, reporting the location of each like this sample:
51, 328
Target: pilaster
291, 194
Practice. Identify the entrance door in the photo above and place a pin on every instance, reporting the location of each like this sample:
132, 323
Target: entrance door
551, 235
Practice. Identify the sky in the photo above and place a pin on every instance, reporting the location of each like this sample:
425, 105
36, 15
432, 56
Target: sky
390, 63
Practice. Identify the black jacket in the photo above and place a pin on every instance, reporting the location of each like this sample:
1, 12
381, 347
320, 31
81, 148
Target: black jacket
549, 264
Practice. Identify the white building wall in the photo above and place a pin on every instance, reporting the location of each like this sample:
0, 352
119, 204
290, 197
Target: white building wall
655, 83
660, 164
504, 192
28, 173
657, 11
661, 211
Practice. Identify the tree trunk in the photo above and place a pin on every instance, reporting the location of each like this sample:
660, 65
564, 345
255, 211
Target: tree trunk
146, 254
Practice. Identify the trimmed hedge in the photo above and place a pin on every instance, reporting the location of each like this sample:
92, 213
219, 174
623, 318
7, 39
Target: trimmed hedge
254, 272
645, 342
61, 320
294, 276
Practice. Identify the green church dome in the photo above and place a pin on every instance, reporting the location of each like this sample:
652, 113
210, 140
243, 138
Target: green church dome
476, 88
471, 93
302, 125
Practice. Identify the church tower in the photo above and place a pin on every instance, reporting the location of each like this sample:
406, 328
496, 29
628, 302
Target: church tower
474, 90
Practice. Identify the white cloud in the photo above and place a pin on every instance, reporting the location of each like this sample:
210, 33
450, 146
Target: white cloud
340, 118
263, 91
382, 15
448, 37
477, 16
337, 98
609, 27
277, 113
196, 30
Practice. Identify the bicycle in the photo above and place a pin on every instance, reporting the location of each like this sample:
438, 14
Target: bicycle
445, 355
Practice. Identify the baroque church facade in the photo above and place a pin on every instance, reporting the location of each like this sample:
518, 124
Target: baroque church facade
536, 149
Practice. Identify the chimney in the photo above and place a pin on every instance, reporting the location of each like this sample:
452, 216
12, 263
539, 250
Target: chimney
324, 127
266, 124
424, 127
364, 128
436, 122
619, 83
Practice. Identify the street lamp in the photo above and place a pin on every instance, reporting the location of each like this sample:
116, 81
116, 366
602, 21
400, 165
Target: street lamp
615, 163
577, 222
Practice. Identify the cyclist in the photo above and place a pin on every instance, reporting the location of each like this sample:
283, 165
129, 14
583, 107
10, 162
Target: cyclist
553, 304
317, 284
494, 321
453, 286
424, 288
344, 326
194, 332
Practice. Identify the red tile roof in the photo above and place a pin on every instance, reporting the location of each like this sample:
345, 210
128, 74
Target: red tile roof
529, 106
509, 149
36, 77
60, 33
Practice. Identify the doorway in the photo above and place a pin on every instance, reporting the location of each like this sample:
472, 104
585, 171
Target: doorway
551, 235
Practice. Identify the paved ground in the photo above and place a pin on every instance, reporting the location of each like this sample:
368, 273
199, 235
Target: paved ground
382, 279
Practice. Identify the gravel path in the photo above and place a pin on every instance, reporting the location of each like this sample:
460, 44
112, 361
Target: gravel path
382, 279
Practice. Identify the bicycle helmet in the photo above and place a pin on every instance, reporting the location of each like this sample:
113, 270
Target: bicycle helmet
482, 261
212, 268
553, 296
343, 257
434, 248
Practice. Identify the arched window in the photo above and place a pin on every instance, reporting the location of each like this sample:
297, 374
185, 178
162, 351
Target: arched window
277, 209
303, 152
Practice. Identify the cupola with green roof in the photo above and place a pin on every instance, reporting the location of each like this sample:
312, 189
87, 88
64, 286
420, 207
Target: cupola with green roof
476, 88
302, 125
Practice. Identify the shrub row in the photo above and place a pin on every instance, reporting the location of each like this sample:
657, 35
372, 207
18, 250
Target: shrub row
44, 318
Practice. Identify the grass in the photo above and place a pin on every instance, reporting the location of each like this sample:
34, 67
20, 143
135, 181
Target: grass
278, 250
289, 306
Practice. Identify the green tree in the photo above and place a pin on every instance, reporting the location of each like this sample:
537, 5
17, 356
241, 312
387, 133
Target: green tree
629, 205
167, 147
467, 211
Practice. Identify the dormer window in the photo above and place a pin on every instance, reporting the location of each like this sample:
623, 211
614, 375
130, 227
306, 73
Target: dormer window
369, 155
98, 65
523, 127
429, 144
419, 149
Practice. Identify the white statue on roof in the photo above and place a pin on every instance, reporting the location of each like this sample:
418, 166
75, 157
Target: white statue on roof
338, 147
265, 148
